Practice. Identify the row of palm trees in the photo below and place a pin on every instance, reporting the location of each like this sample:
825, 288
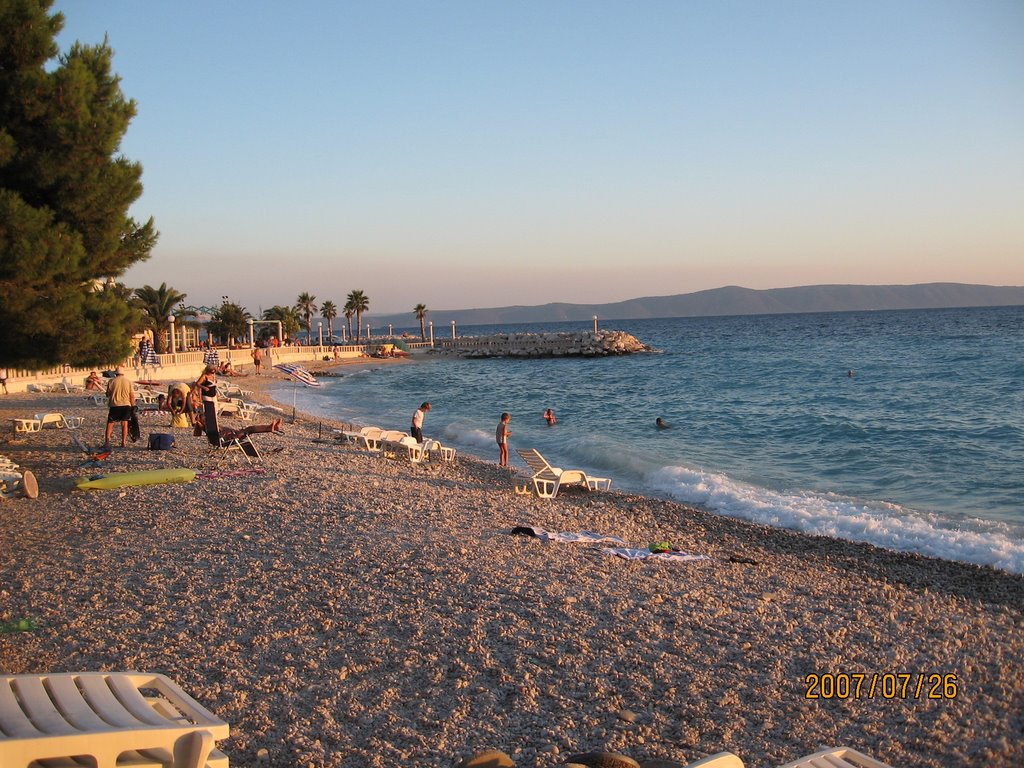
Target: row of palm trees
356, 303
231, 320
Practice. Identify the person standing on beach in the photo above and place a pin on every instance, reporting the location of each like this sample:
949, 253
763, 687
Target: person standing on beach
120, 402
3, 379
501, 436
417, 422
257, 358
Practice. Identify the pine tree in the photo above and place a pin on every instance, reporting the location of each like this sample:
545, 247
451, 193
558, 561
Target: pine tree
65, 233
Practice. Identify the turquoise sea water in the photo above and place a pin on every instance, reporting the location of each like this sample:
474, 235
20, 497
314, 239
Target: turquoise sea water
921, 449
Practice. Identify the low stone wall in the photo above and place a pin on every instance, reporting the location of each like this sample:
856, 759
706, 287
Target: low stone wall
578, 344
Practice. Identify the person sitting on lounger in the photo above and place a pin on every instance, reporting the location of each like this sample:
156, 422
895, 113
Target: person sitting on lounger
227, 434
95, 382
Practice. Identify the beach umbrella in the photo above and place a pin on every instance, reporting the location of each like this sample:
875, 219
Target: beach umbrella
147, 355
299, 374
210, 357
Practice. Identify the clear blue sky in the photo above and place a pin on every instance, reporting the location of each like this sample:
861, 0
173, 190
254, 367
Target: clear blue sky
480, 153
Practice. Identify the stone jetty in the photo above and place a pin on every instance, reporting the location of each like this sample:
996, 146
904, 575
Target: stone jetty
566, 344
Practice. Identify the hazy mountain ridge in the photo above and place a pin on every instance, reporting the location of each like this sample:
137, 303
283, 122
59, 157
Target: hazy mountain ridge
736, 300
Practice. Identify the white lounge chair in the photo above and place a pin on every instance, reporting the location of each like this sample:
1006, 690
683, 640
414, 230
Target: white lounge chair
548, 480
368, 438
836, 757
59, 421
110, 718
720, 760
433, 449
406, 446
25, 426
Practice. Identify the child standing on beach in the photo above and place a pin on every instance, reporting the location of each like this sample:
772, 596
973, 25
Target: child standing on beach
501, 435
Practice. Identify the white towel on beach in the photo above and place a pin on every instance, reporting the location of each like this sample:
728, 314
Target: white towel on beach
627, 553
583, 537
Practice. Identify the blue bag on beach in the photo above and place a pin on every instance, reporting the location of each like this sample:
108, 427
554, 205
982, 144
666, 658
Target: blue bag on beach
161, 441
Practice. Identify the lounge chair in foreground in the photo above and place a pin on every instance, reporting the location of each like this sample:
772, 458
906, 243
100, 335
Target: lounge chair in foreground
547, 480
833, 757
721, 760
836, 757
108, 718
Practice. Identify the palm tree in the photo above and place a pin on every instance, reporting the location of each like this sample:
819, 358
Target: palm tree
305, 305
157, 304
288, 318
421, 314
349, 311
229, 322
360, 303
328, 311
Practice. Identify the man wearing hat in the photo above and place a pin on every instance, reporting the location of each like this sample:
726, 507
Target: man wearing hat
120, 401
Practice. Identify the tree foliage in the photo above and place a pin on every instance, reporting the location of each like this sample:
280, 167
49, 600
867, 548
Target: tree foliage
229, 321
359, 303
65, 192
420, 310
328, 311
288, 318
156, 305
305, 306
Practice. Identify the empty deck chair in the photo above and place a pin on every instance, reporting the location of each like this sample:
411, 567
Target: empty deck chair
548, 480
405, 447
836, 757
368, 438
720, 760
108, 718
433, 450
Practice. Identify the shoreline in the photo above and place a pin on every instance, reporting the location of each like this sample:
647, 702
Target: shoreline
341, 610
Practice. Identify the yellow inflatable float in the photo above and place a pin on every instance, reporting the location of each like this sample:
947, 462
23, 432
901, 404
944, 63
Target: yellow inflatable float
148, 477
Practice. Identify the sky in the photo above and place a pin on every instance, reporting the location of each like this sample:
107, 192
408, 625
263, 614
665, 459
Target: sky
477, 153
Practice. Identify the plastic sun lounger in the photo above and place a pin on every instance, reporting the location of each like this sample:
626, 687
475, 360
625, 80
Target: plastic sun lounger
836, 757
548, 480
114, 718
720, 760
59, 421
24, 426
405, 447
434, 449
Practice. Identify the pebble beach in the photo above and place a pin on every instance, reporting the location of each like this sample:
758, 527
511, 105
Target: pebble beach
337, 608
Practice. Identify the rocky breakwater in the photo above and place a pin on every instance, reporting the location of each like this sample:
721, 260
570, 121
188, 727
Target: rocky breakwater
566, 344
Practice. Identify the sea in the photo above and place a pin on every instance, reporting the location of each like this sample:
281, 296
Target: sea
902, 429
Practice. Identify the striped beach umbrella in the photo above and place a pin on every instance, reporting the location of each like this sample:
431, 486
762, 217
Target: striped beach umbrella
298, 373
210, 357
147, 355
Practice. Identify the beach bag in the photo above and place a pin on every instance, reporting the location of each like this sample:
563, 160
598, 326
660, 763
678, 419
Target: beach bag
134, 431
161, 441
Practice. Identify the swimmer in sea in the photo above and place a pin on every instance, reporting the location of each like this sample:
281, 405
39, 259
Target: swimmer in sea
660, 423
549, 416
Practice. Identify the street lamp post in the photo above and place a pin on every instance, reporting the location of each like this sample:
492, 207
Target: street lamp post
252, 334
595, 323
320, 330
170, 319
453, 329
431, 322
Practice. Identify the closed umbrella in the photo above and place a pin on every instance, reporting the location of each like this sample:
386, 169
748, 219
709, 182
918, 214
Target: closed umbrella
299, 374
210, 357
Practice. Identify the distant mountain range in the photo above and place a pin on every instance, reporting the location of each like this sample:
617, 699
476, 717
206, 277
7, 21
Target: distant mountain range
734, 300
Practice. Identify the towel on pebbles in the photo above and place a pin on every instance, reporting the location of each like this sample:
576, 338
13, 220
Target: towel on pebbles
627, 553
583, 537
